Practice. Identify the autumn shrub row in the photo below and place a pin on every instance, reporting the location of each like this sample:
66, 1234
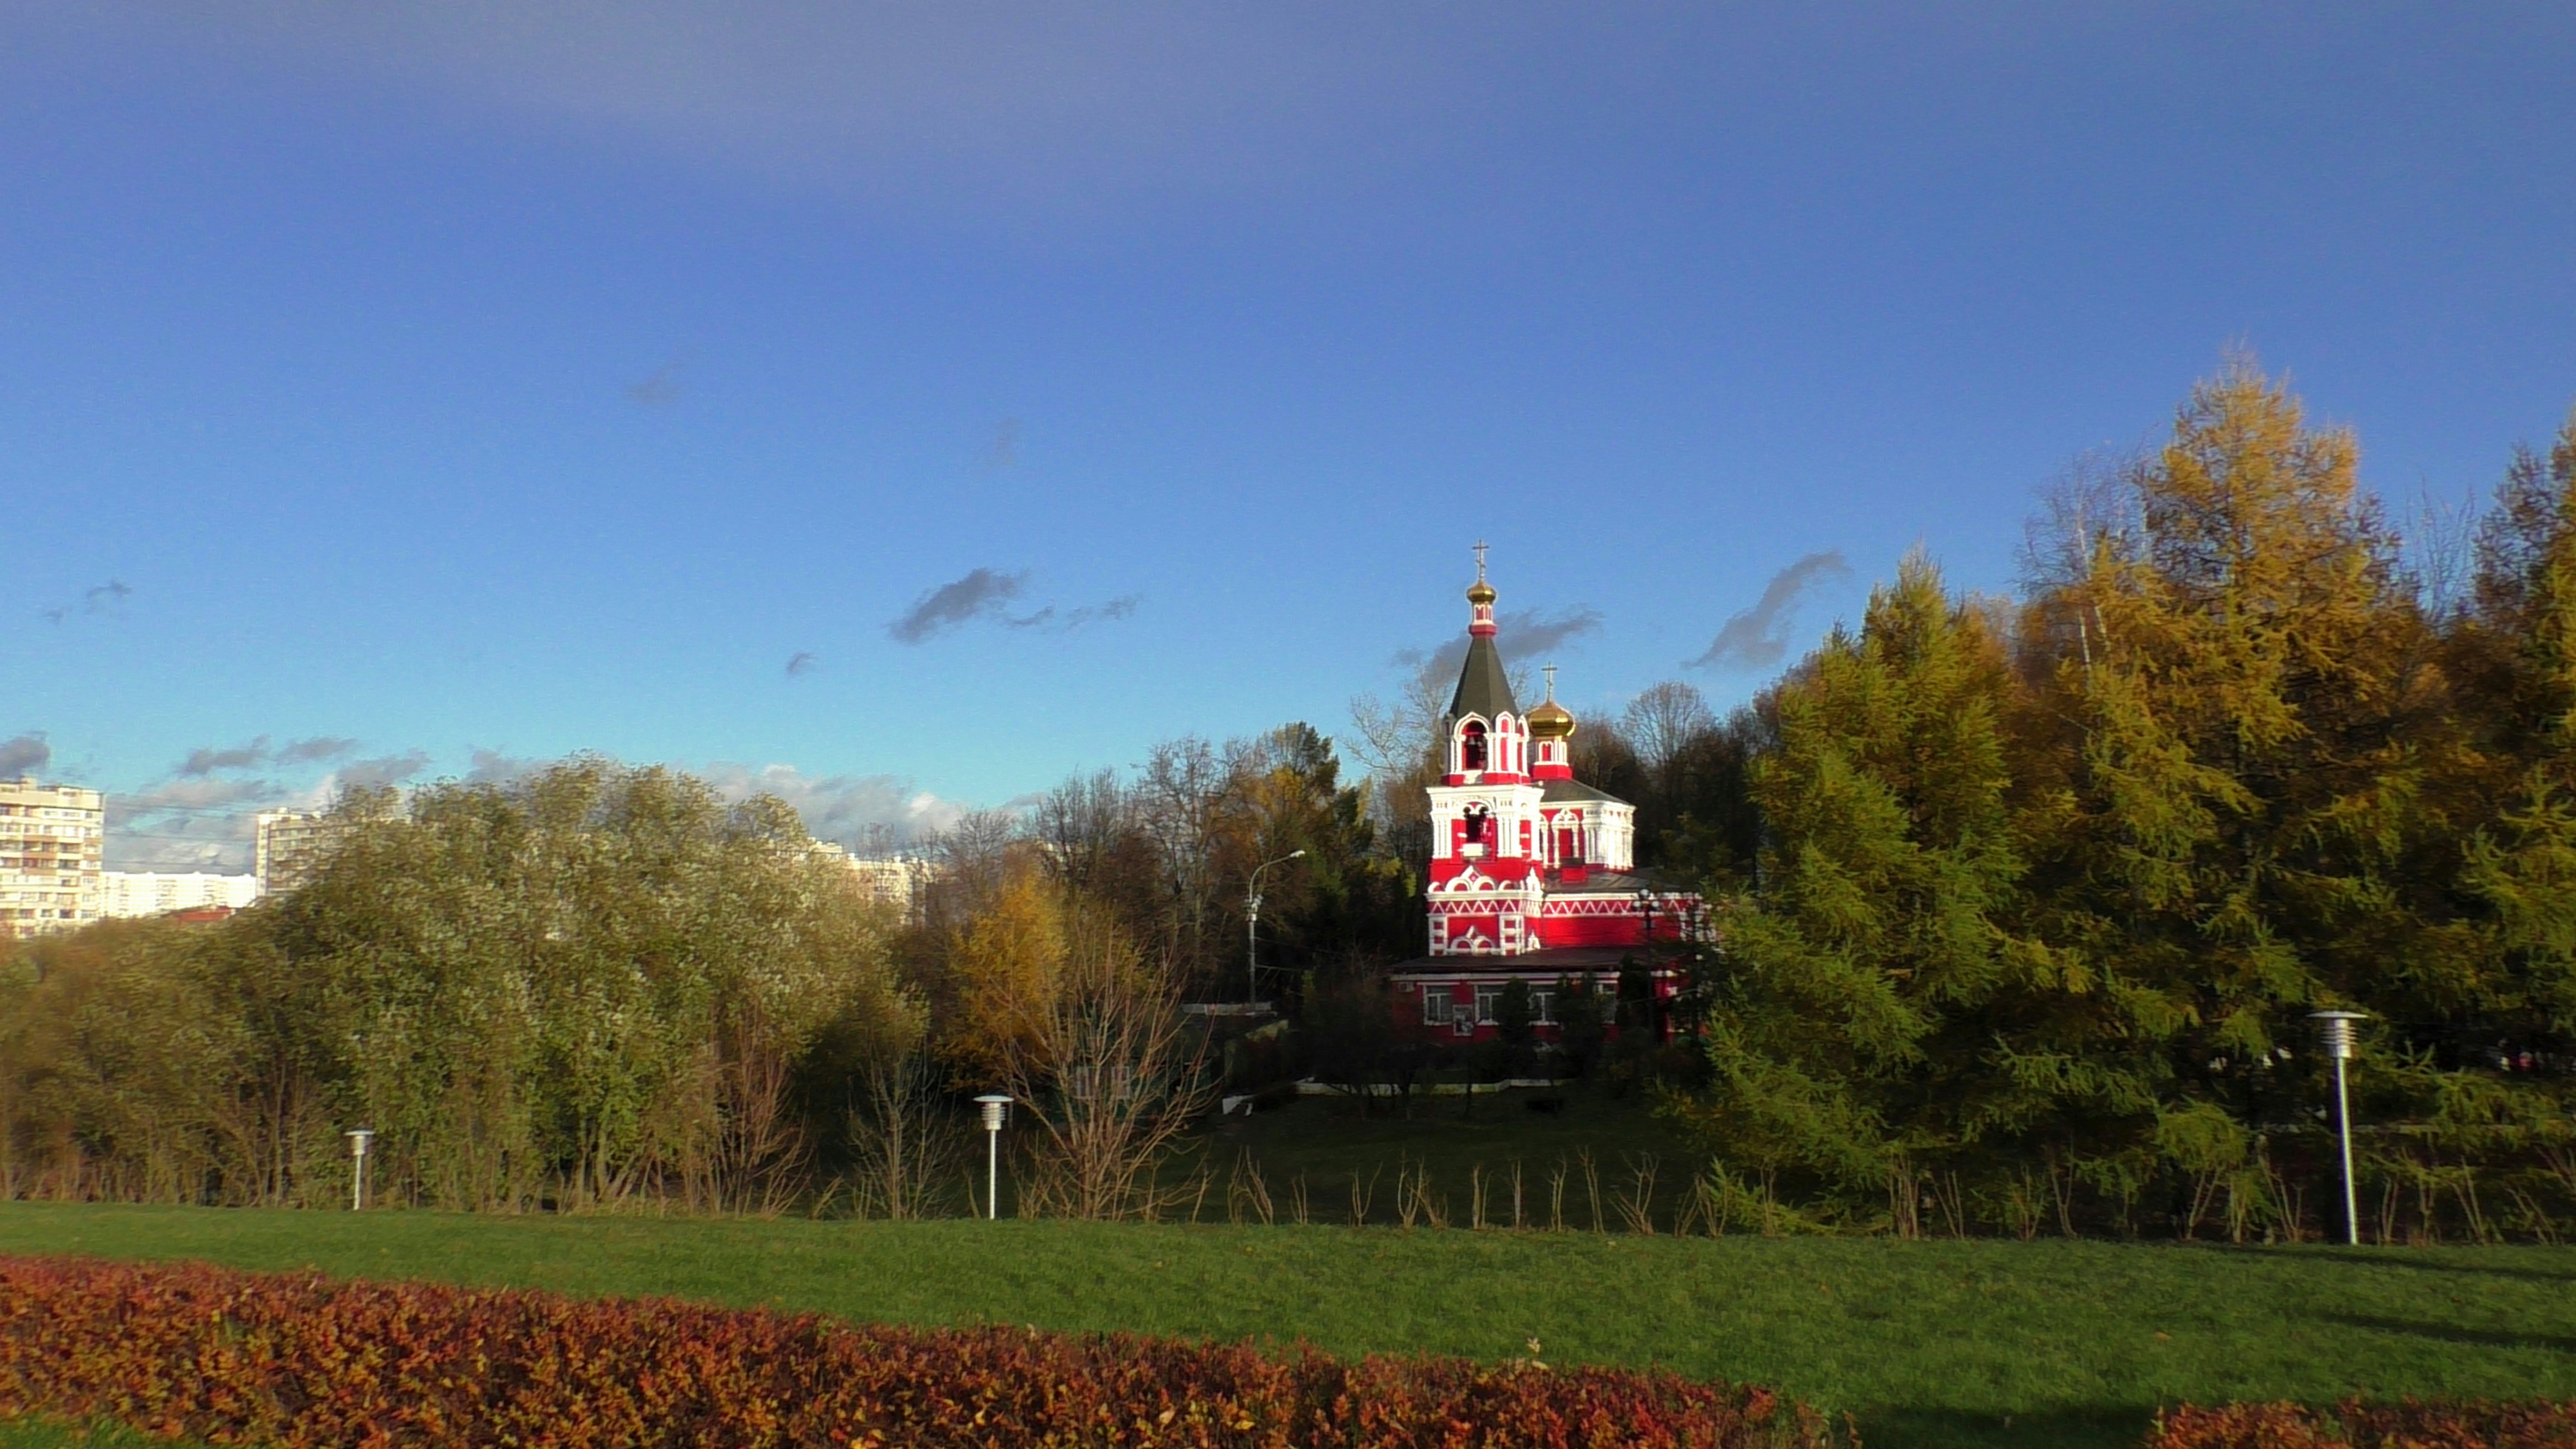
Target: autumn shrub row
299, 1359
2408, 1424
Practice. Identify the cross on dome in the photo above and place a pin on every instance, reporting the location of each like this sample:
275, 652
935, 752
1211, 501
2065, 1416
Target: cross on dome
1550, 723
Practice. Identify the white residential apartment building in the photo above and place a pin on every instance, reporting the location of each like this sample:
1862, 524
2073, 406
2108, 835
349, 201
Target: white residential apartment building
125, 893
291, 842
52, 842
897, 881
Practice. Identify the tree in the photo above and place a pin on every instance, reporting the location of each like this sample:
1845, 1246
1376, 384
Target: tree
1343, 896
1843, 1038
1581, 1024
588, 984
1357, 1035
1516, 1025
1664, 722
2246, 814
2518, 647
1106, 1068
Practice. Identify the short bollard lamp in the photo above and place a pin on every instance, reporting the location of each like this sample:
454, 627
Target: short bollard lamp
2334, 1032
358, 1137
995, 1106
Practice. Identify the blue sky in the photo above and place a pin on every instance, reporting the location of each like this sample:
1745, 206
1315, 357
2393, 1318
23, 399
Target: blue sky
397, 391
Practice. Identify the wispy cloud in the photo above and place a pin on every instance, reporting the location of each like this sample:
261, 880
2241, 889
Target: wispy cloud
1757, 638
801, 663
1066, 620
1521, 634
189, 824
193, 795
315, 750
210, 759
106, 600
28, 754
1004, 451
855, 810
984, 593
986, 596
225, 844
660, 390
204, 816
492, 767
381, 771
206, 760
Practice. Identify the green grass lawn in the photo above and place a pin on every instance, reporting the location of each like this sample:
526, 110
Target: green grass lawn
1327, 1141
53, 1434
1968, 1343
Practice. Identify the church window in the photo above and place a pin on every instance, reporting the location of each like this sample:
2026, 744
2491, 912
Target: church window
1471, 747
1476, 820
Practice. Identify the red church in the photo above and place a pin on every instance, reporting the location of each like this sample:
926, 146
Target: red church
1533, 873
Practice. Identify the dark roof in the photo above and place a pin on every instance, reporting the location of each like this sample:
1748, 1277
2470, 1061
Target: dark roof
1552, 963
1598, 882
1483, 686
1576, 790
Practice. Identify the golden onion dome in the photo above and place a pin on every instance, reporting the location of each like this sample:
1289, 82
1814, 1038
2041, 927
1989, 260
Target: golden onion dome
1550, 721
1480, 592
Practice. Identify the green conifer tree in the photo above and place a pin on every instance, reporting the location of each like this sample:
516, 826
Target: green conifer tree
1844, 1034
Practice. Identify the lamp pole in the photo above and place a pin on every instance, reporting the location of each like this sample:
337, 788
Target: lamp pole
1252, 925
2335, 1027
358, 1137
995, 1105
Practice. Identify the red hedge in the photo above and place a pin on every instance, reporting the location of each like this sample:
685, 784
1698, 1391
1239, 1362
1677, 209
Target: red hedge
297, 1359
2408, 1424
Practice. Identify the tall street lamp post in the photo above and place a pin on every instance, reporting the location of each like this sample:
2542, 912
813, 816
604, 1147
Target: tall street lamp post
995, 1105
2335, 1028
1252, 925
358, 1137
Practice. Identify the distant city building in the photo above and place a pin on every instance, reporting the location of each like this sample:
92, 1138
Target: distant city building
126, 893
52, 841
896, 881
291, 843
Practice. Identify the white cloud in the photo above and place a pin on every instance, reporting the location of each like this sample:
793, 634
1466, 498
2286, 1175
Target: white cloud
188, 824
205, 817
856, 810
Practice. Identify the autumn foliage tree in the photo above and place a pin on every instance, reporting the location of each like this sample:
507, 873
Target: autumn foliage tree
2045, 894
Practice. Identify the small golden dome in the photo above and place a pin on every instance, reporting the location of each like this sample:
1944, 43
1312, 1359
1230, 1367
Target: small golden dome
1550, 721
1480, 592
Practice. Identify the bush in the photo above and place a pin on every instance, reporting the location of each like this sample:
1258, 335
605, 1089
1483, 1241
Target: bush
2407, 1424
296, 1360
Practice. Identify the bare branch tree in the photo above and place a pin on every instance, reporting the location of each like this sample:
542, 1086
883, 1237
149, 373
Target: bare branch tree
2092, 502
2440, 539
1664, 721
1081, 823
1111, 1080
907, 1142
1182, 801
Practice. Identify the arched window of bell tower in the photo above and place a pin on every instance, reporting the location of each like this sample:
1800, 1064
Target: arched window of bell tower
1472, 752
